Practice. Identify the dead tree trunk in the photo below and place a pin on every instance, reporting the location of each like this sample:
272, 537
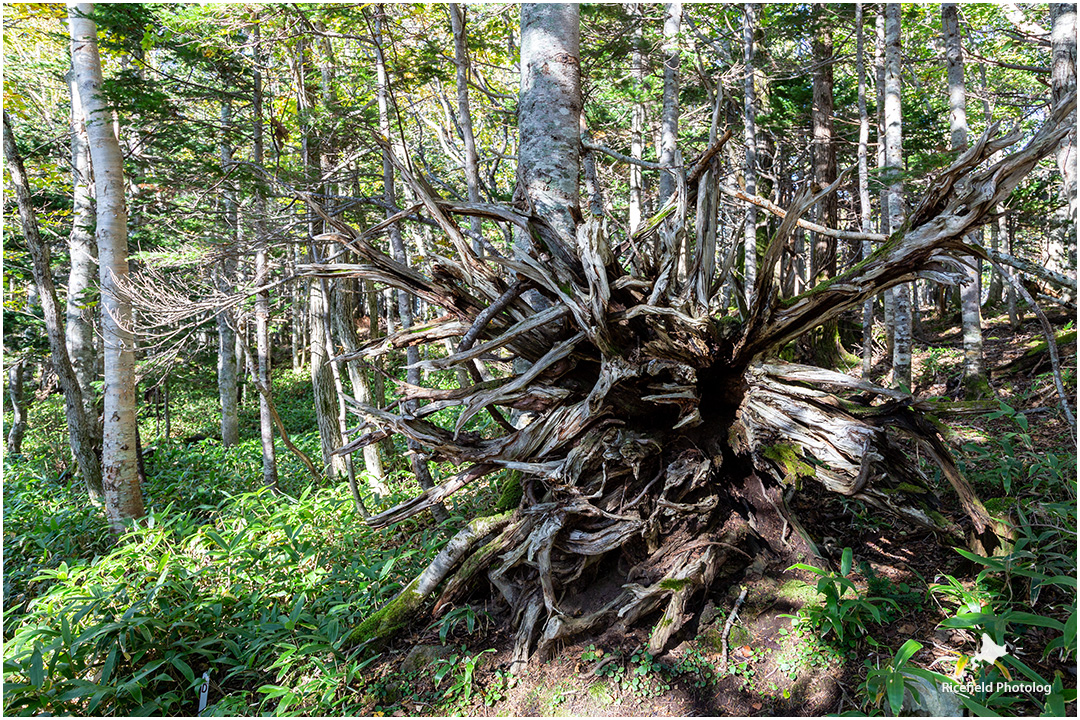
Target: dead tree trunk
663, 441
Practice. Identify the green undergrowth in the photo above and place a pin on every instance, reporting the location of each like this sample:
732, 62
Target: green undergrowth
260, 590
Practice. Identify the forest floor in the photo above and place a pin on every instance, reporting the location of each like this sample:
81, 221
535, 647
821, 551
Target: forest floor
776, 665
210, 582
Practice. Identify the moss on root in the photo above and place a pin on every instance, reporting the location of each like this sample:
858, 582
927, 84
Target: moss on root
790, 457
389, 618
511, 494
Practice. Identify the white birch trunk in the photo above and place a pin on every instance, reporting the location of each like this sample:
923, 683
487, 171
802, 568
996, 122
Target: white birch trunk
895, 164
226, 362
637, 121
970, 291
669, 119
549, 111
1062, 246
120, 473
750, 166
83, 252
397, 251
865, 218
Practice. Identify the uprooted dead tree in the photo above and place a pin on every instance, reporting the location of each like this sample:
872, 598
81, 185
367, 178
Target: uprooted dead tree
660, 441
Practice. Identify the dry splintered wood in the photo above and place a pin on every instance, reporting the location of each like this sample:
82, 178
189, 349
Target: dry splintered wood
648, 421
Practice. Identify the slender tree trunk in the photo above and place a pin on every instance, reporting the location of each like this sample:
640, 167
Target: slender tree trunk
464, 118
894, 163
1062, 246
970, 292
669, 119
120, 472
823, 150
262, 275
865, 217
825, 341
343, 319
637, 119
16, 372
750, 166
322, 375
888, 306
83, 251
226, 270
397, 246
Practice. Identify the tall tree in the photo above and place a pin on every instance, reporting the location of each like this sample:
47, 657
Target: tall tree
865, 210
750, 141
637, 119
262, 268
83, 252
464, 117
894, 164
669, 115
81, 435
224, 272
119, 469
1062, 83
549, 112
970, 291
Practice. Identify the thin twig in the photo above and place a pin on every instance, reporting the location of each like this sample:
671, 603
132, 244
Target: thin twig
727, 629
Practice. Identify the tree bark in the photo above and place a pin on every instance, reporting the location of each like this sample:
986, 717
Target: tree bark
894, 164
750, 141
83, 252
16, 372
120, 472
226, 270
1062, 246
262, 276
970, 292
464, 117
865, 210
637, 120
549, 112
669, 117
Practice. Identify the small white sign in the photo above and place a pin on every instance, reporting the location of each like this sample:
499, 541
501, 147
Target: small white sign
204, 690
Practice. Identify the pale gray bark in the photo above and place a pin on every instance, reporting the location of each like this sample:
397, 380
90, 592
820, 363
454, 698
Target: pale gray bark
669, 118
224, 273
894, 163
83, 252
120, 472
865, 217
549, 110
16, 372
887, 303
262, 276
324, 391
344, 329
1062, 245
970, 291
464, 118
750, 141
637, 120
